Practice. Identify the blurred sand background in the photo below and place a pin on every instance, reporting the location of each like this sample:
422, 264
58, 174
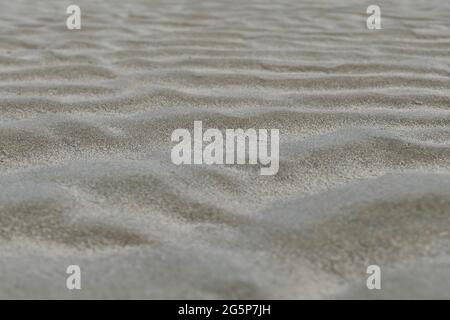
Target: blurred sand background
85, 170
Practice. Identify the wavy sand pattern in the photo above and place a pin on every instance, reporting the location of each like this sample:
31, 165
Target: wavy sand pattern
85, 171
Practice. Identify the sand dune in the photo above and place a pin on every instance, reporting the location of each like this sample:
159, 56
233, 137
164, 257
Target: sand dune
86, 176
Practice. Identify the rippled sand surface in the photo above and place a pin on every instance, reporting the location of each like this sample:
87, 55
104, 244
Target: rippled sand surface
85, 170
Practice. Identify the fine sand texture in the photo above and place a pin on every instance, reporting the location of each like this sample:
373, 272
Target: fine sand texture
86, 178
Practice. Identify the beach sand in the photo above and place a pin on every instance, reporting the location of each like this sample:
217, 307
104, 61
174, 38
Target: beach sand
86, 176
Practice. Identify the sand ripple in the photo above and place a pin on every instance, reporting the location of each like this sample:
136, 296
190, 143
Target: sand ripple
85, 171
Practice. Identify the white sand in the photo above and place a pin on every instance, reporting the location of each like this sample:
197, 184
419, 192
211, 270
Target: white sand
85, 171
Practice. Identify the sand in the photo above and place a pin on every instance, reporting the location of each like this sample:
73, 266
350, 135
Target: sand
86, 176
